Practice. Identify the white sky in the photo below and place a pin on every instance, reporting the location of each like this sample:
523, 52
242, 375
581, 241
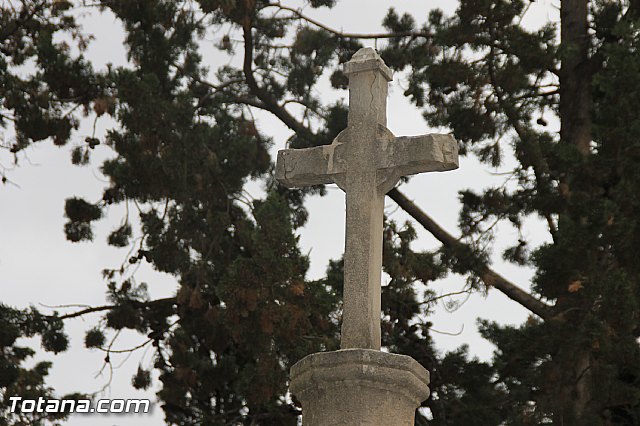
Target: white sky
38, 266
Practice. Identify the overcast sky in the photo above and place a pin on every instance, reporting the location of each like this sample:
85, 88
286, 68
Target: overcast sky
38, 266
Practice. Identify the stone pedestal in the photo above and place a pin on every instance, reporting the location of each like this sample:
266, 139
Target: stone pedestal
359, 387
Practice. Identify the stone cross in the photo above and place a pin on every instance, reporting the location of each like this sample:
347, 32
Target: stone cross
366, 161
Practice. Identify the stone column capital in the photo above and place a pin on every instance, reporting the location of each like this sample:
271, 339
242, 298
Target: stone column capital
359, 387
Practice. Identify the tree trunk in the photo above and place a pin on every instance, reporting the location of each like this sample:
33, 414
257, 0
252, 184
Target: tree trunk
575, 76
574, 394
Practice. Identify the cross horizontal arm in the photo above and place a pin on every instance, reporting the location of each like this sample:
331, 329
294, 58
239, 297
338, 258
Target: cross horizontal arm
409, 155
296, 168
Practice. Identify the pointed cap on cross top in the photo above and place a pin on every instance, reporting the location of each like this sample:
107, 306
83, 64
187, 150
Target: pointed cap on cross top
367, 59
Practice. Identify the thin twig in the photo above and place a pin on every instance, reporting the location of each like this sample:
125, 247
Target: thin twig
454, 293
318, 24
448, 333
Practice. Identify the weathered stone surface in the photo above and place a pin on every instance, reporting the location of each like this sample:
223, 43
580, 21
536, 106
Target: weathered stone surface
395, 157
363, 386
366, 160
359, 387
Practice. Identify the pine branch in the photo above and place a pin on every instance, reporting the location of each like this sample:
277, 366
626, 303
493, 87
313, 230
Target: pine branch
442, 296
270, 104
168, 300
342, 34
109, 351
597, 59
488, 275
250, 102
538, 162
216, 87
23, 17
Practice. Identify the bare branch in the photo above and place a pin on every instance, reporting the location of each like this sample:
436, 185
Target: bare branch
197, 79
442, 296
250, 102
128, 350
448, 333
270, 104
318, 24
488, 275
168, 300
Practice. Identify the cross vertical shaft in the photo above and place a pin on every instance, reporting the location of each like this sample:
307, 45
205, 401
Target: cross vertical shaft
362, 267
365, 160
368, 86
361, 385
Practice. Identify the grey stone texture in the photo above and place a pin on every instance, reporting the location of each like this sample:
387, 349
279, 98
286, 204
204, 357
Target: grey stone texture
359, 384
359, 387
365, 160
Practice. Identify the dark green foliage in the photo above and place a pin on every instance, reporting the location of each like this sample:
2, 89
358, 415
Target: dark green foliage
15, 379
466, 393
80, 214
41, 103
78, 231
78, 210
30, 322
492, 82
142, 379
80, 156
120, 236
94, 338
53, 337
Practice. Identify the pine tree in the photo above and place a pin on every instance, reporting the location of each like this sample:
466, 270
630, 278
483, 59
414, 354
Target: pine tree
576, 360
41, 81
